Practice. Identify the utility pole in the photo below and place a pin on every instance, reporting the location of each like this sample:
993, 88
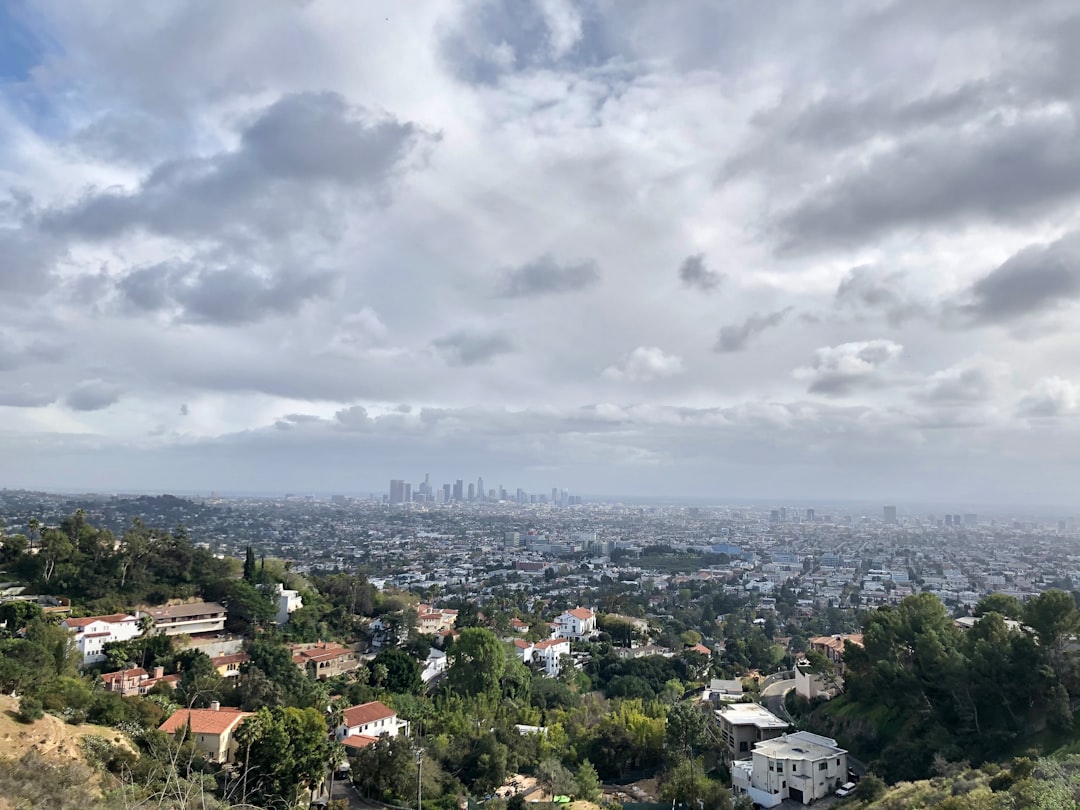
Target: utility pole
419, 774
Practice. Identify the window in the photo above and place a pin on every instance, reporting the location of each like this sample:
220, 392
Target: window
793, 767
742, 746
822, 766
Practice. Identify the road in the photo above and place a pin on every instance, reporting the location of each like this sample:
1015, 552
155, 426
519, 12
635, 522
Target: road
772, 697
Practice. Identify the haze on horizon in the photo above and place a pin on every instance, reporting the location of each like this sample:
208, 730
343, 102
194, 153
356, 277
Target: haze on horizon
701, 249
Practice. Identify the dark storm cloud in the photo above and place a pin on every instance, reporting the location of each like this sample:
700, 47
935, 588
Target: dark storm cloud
93, 395
222, 295
998, 171
546, 276
470, 348
1040, 278
735, 337
868, 287
694, 273
301, 144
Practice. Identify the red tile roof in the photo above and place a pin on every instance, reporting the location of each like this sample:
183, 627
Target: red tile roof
584, 614
359, 741
367, 713
88, 620
204, 721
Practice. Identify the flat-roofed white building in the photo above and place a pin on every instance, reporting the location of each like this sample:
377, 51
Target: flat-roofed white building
743, 725
92, 633
800, 766
189, 619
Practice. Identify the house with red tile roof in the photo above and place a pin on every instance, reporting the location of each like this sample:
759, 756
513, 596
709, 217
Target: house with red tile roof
577, 623
137, 681
547, 653
369, 720
326, 658
92, 633
211, 729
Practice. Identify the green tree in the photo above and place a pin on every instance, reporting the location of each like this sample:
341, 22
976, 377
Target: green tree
685, 730
249, 565
587, 782
688, 784
402, 671
476, 663
288, 750
1008, 606
554, 778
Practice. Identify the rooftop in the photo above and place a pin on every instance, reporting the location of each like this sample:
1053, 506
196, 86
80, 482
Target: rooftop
800, 745
750, 714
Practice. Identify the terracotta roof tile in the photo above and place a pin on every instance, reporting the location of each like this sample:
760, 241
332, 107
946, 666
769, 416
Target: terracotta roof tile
204, 721
367, 713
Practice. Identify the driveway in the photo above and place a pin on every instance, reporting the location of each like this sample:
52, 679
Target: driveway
772, 697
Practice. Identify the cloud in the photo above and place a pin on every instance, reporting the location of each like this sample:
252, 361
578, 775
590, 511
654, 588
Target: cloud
225, 295
870, 287
25, 395
471, 348
546, 276
1000, 172
839, 370
184, 410
735, 337
1038, 279
973, 381
643, 364
93, 395
1051, 397
27, 259
292, 152
18, 351
492, 39
694, 273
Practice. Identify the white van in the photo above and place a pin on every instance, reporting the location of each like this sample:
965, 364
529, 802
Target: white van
845, 789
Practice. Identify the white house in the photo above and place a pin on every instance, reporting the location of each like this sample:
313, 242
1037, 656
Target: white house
547, 653
94, 632
189, 619
800, 766
288, 602
371, 721
576, 624
434, 666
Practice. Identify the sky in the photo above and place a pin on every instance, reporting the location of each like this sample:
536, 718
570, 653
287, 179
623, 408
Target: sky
712, 249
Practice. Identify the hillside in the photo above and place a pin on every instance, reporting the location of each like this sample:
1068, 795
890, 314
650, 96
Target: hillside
42, 764
1052, 783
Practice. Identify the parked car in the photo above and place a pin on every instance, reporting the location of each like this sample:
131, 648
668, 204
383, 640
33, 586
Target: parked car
845, 789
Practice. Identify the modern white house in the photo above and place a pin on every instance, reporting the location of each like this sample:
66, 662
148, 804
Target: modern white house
576, 624
92, 633
288, 602
434, 666
188, 619
744, 725
800, 766
547, 653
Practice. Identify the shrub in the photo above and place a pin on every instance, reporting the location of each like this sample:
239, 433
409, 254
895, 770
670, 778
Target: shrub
30, 709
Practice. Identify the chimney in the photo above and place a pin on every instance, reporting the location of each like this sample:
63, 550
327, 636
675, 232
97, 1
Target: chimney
159, 672
215, 706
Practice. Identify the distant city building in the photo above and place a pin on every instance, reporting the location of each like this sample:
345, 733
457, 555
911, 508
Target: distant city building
472, 492
890, 514
810, 515
397, 491
459, 490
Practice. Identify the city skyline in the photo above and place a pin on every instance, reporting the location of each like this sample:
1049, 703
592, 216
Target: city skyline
649, 249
